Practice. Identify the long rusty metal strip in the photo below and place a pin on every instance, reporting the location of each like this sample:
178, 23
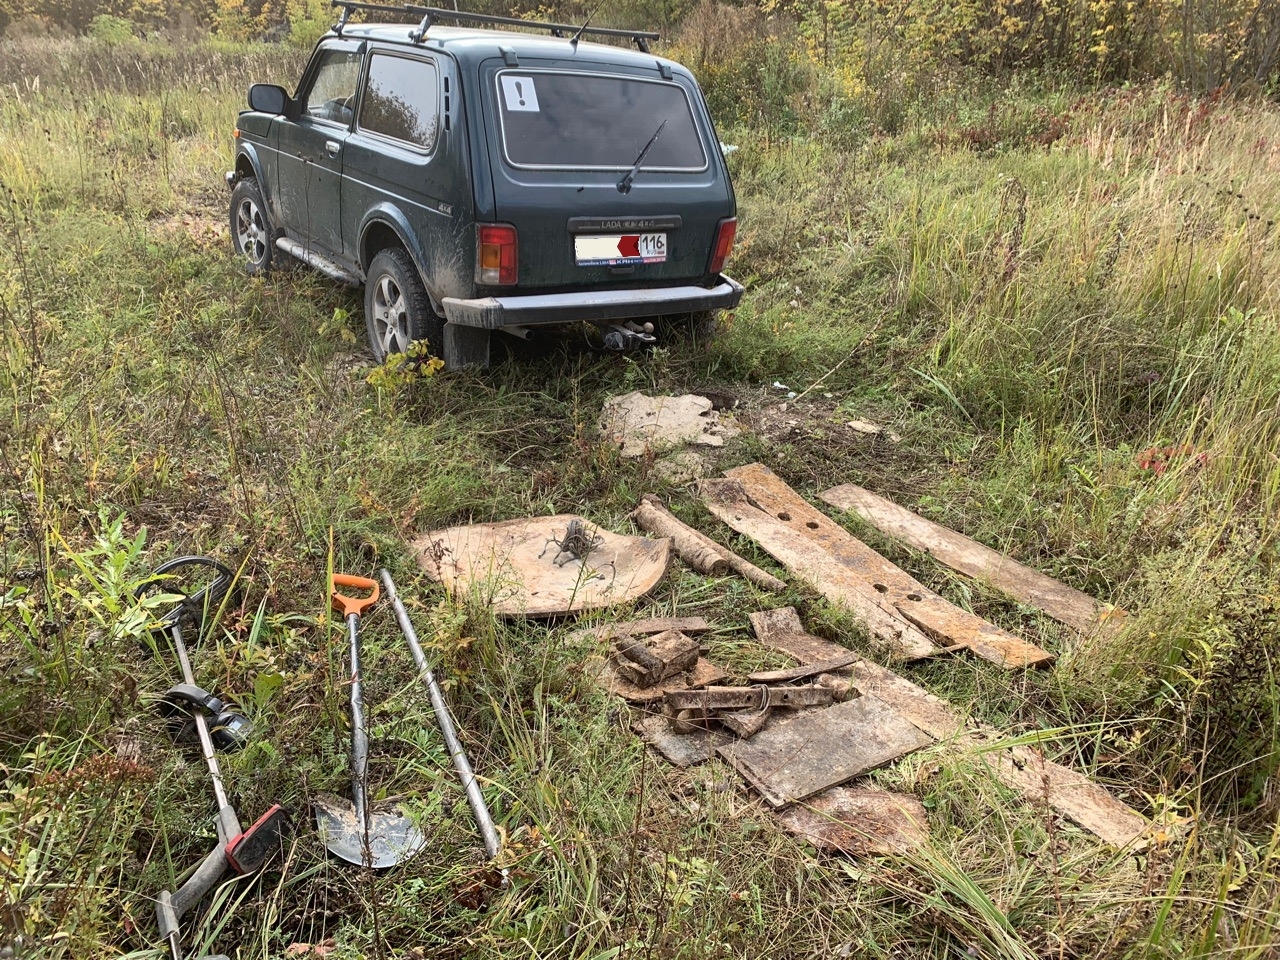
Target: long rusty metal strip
1065, 604
815, 564
757, 697
1018, 767
791, 520
841, 662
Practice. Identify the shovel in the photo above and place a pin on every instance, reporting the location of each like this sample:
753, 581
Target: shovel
352, 831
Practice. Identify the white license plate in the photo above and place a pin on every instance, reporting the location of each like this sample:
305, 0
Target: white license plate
616, 250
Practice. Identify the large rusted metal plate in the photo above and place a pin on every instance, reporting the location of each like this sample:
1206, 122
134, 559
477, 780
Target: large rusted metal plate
512, 566
849, 572
861, 820
798, 757
1065, 604
682, 749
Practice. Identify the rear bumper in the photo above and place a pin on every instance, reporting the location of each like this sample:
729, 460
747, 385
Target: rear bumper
533, 309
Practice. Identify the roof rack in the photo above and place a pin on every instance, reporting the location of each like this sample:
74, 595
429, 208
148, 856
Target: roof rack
430, 14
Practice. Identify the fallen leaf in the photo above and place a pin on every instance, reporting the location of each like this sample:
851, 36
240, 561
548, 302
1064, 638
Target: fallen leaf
321, 949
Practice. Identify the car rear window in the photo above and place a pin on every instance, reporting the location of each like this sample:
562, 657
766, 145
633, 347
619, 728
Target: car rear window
592, 121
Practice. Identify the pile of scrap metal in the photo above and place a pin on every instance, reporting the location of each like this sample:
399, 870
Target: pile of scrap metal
743, 709
799, 733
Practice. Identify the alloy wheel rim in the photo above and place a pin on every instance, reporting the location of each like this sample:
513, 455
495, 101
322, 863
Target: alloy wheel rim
251, 231
390, 321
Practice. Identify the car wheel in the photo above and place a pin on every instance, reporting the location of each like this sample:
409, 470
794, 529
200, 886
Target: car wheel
251, 232
397, 311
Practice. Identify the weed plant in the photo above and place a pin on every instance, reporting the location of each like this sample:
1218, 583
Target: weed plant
1064, 302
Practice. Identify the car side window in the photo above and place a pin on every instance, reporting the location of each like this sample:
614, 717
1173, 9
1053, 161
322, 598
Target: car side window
401, 100
333, 91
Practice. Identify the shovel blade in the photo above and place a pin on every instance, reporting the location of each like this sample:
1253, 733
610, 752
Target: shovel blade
392, 836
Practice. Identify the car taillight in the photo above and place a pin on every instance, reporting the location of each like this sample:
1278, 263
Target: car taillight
496, 250
725, 233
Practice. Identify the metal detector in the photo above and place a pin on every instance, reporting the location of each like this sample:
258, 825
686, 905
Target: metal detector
244, 851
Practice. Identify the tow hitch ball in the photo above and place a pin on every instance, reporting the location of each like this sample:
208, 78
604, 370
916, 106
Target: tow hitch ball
628, 336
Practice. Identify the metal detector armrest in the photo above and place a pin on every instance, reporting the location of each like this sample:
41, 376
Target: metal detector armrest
249, 851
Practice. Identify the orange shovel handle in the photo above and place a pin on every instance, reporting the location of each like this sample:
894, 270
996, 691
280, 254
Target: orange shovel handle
350, 605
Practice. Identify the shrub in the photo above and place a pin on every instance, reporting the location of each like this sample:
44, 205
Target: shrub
749, 68
113, 31
1216, 639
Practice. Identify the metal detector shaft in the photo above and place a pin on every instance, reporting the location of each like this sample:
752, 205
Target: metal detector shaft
240, 851
228, 822
171, 907
441, 709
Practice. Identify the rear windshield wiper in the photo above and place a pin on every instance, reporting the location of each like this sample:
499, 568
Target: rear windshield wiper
624, 185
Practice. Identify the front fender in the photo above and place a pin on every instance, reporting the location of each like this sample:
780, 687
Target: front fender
377, 227
249, 164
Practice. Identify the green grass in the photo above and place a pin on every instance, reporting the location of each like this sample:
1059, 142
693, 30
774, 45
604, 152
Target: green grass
1031, 313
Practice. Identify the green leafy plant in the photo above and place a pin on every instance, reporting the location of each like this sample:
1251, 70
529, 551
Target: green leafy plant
400, 370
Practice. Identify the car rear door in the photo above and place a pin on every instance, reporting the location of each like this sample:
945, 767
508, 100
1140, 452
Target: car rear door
564, 142
311, 145
406, 164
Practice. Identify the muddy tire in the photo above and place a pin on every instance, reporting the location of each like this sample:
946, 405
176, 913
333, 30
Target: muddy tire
252, 236
397, 311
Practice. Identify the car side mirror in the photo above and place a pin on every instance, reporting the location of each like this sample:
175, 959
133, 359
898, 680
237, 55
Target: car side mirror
268, 98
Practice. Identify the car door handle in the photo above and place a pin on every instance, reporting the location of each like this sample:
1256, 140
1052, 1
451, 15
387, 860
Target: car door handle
332, 147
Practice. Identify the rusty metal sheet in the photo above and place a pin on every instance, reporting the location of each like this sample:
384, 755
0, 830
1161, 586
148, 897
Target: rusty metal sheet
639, 628
781, 630
512, 567
623, 629
1020, 768
860, 820
769, 510
682, 749
800, 756
1071, 793
1065, 604
815, 564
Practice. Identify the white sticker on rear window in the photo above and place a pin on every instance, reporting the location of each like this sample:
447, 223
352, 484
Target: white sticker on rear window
519, 94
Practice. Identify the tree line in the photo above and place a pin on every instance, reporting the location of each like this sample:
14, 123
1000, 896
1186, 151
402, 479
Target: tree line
1203, 44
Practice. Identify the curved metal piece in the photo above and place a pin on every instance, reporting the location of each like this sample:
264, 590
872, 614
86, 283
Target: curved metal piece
195, 603
460, 762
250, 154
